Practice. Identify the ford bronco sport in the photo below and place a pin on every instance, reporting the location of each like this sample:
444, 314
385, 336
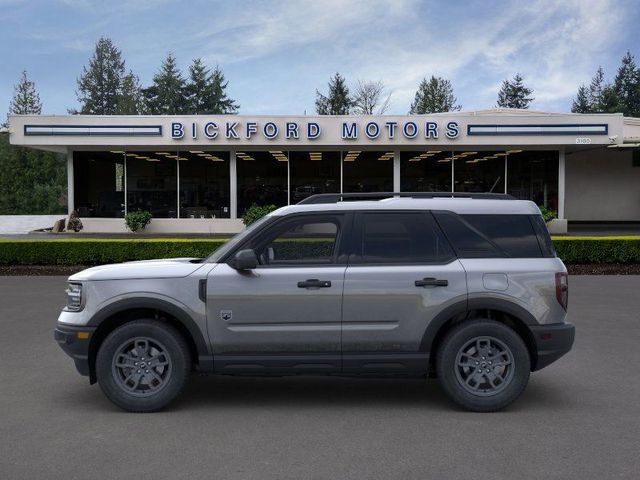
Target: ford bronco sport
465, 287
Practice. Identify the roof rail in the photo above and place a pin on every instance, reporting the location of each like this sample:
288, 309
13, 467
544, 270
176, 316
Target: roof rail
339, 197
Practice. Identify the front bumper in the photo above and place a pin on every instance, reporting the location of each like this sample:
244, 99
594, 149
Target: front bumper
75, 343
552, 342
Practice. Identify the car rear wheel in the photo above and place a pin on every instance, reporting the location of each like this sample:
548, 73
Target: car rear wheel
483, 365
143, 365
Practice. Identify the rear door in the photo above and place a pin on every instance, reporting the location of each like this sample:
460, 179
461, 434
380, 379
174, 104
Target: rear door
401, 274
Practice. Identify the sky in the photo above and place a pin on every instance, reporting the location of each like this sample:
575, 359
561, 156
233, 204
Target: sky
275, 54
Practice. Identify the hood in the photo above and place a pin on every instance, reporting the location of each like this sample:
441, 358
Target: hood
165, 268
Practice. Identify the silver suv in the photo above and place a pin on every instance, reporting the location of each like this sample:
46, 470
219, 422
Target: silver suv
463, 287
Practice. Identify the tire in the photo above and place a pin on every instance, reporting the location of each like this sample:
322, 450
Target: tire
483, 365
143, 365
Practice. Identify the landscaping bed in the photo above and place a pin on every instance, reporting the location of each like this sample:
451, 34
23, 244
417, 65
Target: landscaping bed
582, 255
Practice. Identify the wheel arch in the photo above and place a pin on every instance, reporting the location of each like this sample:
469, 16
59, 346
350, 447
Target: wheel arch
504, 311
123, 311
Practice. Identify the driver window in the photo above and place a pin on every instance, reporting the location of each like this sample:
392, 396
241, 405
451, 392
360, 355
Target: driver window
305, 242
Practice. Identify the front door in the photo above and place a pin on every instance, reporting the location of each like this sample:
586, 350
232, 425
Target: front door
285, 314
401, 274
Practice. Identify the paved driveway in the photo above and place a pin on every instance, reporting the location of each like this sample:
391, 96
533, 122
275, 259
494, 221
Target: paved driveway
580, 418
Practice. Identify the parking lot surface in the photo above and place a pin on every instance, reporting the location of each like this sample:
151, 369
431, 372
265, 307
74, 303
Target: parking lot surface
579, 418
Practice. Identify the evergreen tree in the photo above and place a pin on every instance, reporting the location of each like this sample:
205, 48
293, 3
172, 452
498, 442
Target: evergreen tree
130, 101
166, 96
581, 103
596, 88
337, 101
627, 86
26, 100
100, 84
514, 93
206, 92
434, 95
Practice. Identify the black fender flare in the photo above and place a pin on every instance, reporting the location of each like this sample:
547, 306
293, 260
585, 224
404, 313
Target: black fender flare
464, 307
175, 311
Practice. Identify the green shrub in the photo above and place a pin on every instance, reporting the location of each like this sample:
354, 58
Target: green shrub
598, 249
137, 220
256, 212
100, 251
547, 213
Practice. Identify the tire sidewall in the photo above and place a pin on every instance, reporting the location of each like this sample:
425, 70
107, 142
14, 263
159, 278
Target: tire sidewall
446, 364
177, 350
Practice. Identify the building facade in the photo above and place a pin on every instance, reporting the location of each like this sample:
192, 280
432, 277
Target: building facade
200, 173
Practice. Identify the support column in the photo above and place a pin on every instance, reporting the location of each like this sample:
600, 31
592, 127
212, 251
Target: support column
561, 183
233, 186
70, 193
396, 170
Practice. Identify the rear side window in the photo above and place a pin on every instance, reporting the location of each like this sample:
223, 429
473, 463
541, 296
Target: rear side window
399, 237
476, 236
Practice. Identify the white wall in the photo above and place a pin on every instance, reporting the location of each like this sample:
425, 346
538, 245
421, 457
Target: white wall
602, 185
12, 224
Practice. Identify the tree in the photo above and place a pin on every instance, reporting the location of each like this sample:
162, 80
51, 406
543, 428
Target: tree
99, 86
337, 101
596, 89
130, 100
206, 92
370, 98
26, 100
167, 96
434, 95
514, 93
627, 86
581, 104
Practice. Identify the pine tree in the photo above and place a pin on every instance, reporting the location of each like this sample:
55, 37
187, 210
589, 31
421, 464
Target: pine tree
26, 100
130, 101
167, 94
99, 85
627, 86
596, 88
514, 93
581, 104
206, 92
337, 101
434, 95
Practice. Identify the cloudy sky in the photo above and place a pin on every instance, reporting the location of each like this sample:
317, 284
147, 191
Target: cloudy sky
276, 53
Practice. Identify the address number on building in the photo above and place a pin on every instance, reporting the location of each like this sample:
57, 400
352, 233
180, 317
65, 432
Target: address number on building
583, 141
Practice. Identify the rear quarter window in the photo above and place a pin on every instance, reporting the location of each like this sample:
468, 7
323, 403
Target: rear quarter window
490, 236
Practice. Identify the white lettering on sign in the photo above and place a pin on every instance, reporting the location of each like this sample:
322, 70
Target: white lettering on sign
583, 141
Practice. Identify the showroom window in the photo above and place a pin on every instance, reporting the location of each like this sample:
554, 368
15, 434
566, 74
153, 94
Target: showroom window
99, 184
365, 171
479, 171
312, 173
204, 184
425, 171
263, 179
533, 175
152, 183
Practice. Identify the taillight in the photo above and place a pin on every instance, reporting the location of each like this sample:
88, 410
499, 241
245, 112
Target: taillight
562, 289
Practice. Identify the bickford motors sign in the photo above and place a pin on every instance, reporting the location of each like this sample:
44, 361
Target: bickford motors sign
291, 130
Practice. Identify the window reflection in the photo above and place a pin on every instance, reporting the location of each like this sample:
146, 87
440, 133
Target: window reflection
204, 184
533, 175
152, 183
262, 179
479, 171
365, 171
314, 172
99, 184
425, 171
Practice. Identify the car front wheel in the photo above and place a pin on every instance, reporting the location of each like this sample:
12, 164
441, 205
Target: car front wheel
143, 365
483, 365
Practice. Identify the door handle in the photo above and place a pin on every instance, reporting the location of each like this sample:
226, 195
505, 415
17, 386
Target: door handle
431, 282
314, 283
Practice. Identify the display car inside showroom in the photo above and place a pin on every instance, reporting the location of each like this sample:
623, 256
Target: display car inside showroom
199, 174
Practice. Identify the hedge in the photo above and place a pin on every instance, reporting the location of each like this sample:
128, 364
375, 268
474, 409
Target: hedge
100, 251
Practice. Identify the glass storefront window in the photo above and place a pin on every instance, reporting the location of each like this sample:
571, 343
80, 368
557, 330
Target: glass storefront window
425, 171
365, 171
312, 173
262, 179
99, 184
533, 175
479, 171
204, 184
152, 183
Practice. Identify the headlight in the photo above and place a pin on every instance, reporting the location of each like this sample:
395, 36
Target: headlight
74, 297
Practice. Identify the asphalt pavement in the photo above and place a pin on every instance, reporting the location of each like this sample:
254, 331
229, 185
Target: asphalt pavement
579, 418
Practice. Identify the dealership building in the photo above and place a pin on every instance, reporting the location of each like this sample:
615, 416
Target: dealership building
200, 173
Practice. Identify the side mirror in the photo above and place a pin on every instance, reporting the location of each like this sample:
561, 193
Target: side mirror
245, 260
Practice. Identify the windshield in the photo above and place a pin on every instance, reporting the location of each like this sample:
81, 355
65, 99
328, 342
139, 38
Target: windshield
236, 240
